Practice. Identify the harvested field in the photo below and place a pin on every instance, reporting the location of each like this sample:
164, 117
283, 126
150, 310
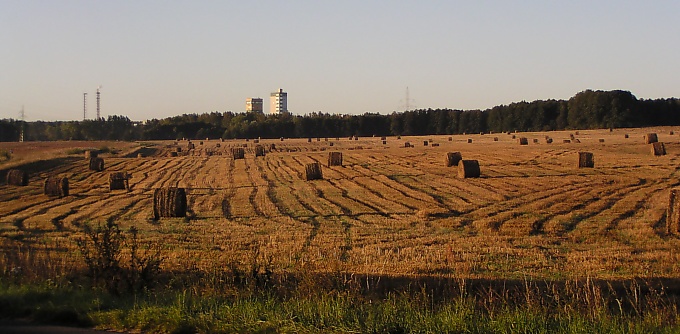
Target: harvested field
387, 211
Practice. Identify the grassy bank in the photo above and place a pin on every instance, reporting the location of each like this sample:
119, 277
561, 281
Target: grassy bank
191, 310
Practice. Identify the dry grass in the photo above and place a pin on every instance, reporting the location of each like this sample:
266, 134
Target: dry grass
388, 210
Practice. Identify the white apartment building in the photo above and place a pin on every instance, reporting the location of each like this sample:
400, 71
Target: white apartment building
254, 104
278, 102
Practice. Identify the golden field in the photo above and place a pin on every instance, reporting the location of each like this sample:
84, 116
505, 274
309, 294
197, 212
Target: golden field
389, 210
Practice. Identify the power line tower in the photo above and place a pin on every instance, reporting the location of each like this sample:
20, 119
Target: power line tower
22, 115
407, 102
84, 106
98, 94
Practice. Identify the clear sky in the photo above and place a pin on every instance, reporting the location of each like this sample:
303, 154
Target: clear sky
156, 59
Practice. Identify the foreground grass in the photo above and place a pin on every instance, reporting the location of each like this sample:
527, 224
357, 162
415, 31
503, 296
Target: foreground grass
189, 312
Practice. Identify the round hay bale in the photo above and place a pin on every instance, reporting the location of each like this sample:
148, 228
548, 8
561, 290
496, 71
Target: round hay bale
238, 153
259, 150
453, 158
407, 144
566, 141
56, 186
523, 141
169, 202
334, 159
626, 136
96, 164
658, 149
535, 140
119, 181
17, 177
384, 142
586, 160
435, 145
426, 143
601, 140
548, 140
468, 169
450, 138
495, 138
313, 171
469, 140
651, 138
91, 154
330, 144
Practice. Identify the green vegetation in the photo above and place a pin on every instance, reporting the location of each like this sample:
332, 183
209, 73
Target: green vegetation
585, 110
189, 311
120, 285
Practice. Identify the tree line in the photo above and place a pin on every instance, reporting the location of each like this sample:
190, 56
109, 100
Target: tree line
589, 109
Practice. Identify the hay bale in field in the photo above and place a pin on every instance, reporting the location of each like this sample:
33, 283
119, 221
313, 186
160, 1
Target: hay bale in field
626, 136
238, 153
535, 140
426, 143
651, 138
119, 181
673, 212
318, 139
576, 133
398, 137
601, 140
453, 158
334, 159
548, 140
658, 148
586, 160
17, 177
56, 186
272, 147
468, 169
430, 140
566, 141
469, 141
523, 141
91, 154
495, 138
218, 145
384, 142
356, 138
309, 140
169, 202
313, 171
330, 144
97, 164
671, 133
200, 143
571, 136
435, 145
450, 138
259, 150
407, 144
514, 136
281, 139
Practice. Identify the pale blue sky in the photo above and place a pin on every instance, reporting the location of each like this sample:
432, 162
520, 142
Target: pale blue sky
156, 59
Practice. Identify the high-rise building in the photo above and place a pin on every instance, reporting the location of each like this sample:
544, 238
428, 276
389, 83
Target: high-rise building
254, 104
278, 102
